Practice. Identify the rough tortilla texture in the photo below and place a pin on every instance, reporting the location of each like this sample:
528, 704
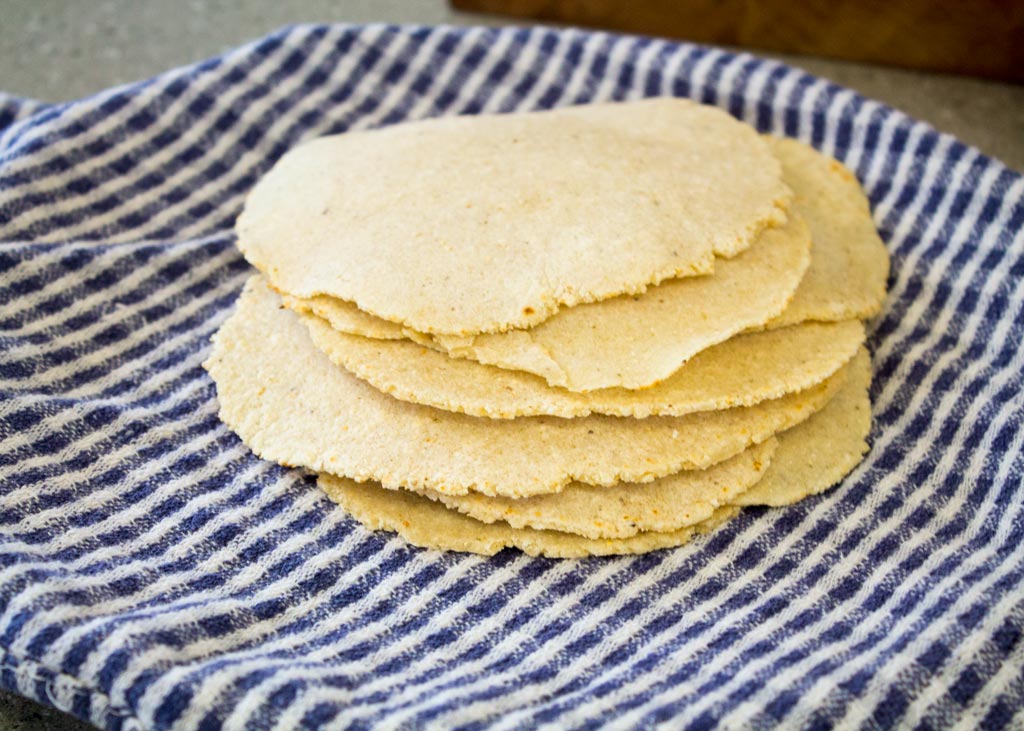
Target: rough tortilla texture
590, 202
850, 264
818, 453
291, 404
677, 501
425, 523
742, 371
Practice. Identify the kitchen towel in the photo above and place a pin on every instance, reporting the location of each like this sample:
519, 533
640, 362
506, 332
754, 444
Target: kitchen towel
155, 575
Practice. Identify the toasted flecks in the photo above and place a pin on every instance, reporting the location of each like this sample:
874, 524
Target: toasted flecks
673, 502
850, 264
428, 524
742, 371
291, 404
818, 453
594, 201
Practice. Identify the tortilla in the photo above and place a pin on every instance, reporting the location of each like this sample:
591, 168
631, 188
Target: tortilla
849, 264
846, 280
463, 225
291, 404
673, 502
742, 371
427, 524
817, 454
808, 459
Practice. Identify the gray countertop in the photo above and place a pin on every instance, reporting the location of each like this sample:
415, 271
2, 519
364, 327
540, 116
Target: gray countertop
56, 50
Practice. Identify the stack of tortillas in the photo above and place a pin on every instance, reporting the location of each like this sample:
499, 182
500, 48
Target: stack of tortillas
595, 330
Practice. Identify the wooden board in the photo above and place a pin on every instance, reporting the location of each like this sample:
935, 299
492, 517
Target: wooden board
981, 38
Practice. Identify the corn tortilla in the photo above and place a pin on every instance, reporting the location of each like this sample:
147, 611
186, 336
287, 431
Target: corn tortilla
427, 524
463, 225
634, 342
808, 459
817, 454
665, 505
742, 371
289, 403
849, 264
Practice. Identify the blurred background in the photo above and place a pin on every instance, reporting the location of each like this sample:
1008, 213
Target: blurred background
958, 65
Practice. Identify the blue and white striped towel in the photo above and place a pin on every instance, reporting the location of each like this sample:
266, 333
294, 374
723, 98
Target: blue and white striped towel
155, 575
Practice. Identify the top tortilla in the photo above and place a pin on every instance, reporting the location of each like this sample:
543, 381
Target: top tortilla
462, 225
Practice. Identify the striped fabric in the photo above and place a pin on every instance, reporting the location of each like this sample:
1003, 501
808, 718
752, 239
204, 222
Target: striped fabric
155, 575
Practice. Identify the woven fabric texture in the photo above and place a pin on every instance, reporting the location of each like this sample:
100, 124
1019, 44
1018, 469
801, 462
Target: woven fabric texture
156, 575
